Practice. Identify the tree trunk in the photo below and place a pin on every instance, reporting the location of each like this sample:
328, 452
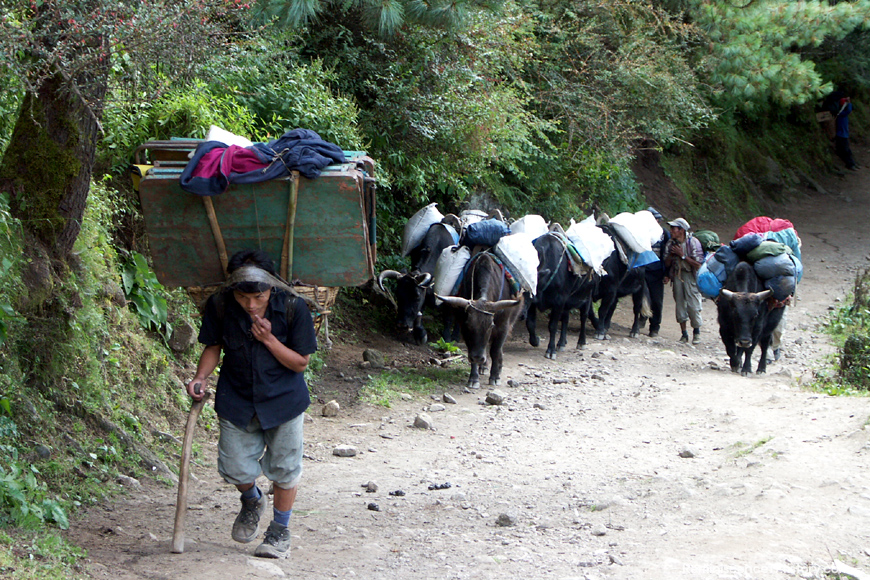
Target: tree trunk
47, 166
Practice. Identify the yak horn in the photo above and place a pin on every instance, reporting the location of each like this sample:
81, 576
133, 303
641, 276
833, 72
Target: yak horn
387, 274
728, 294
454, 301
501, 305
427, 279
764, 295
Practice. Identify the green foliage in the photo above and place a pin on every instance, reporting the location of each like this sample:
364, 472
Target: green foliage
449, 114
10, 254
753, 49
39, 555
283, 93
614, 72
382, 18
145, 294
445, 346
727, 173
315, 367
185, 111
24, 499
10, 101
388, 386
845, 63
607, 182
445, 116
855, 360
850, 328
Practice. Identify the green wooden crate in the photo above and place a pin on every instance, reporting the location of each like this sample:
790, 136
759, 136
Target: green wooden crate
333, 231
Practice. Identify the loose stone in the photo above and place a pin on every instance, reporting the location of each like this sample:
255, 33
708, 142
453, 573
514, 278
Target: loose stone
423, 421
330, 409
495, 398
344, 451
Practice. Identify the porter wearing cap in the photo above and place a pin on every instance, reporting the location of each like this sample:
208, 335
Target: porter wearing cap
683, 257
680, 223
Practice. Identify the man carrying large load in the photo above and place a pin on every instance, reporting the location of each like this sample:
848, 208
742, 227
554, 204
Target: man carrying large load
266, 336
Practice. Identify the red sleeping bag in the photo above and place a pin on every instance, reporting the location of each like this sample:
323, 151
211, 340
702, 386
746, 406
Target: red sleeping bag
763, 224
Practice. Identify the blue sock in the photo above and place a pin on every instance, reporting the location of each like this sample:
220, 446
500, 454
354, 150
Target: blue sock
253, 493
280, 517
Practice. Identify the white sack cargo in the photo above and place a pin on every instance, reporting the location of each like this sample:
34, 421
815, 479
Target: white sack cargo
634, 230
448, 269
418, 225
471, 216
593, 245
215, 133
648, 220
520, 256
534, 225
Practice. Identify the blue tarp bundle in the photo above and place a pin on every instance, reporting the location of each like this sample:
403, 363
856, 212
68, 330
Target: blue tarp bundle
485, 233
708, 283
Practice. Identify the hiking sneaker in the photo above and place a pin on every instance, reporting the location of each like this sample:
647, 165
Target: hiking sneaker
696, 336
685, 337
276, 544
247, 524
653, 333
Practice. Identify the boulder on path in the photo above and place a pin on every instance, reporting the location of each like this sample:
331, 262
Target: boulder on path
344, 451
423, 421
495, 398
330, 409
375, 358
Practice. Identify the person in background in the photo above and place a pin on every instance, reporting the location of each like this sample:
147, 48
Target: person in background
683, 258
266, 336
655, 278
844, 150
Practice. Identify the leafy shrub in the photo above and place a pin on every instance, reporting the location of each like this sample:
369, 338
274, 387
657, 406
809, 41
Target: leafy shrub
283, 93
185, 111
10, 99
145, 294
849, 326
24, 501
9, 255
445, 346
855, 361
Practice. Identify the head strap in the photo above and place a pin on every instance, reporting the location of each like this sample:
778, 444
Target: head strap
251, 273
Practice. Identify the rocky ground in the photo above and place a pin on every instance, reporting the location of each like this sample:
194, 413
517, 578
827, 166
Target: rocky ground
634, 459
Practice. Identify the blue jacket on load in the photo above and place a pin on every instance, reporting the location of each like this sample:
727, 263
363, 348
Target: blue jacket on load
299, 150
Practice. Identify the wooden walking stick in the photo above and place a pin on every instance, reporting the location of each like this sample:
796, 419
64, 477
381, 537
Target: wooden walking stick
184, 471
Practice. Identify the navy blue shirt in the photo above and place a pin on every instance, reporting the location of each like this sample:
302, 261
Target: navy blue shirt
843, 121
252, 381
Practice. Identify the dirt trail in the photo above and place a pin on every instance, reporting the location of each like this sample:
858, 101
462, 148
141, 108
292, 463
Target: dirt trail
585, 457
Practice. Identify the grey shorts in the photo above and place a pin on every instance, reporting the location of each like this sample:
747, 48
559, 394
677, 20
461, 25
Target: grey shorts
276, 453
